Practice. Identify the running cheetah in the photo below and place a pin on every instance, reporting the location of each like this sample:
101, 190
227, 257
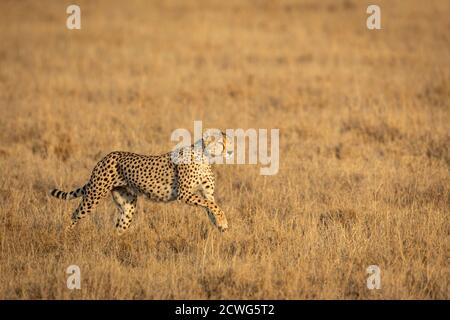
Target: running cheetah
184, 174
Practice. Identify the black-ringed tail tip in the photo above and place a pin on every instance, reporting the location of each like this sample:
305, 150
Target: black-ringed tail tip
67, 195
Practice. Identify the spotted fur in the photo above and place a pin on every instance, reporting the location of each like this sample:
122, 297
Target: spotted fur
160, 178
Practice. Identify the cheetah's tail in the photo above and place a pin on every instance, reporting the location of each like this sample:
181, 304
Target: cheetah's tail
68, 195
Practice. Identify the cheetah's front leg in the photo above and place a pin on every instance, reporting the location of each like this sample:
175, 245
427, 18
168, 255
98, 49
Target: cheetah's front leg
216, 215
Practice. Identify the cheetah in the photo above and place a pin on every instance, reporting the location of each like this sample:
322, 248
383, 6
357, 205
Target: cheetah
183, 174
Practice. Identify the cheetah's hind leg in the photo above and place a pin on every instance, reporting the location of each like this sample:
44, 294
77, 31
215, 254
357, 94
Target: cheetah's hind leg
88, 203
125, 200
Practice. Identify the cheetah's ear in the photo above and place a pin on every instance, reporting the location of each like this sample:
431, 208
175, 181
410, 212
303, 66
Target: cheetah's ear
225, 138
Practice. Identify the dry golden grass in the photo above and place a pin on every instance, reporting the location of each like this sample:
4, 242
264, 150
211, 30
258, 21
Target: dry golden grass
364, 147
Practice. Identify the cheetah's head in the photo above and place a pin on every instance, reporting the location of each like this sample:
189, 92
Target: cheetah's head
217, 144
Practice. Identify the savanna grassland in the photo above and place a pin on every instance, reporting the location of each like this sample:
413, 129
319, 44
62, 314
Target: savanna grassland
364, 121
